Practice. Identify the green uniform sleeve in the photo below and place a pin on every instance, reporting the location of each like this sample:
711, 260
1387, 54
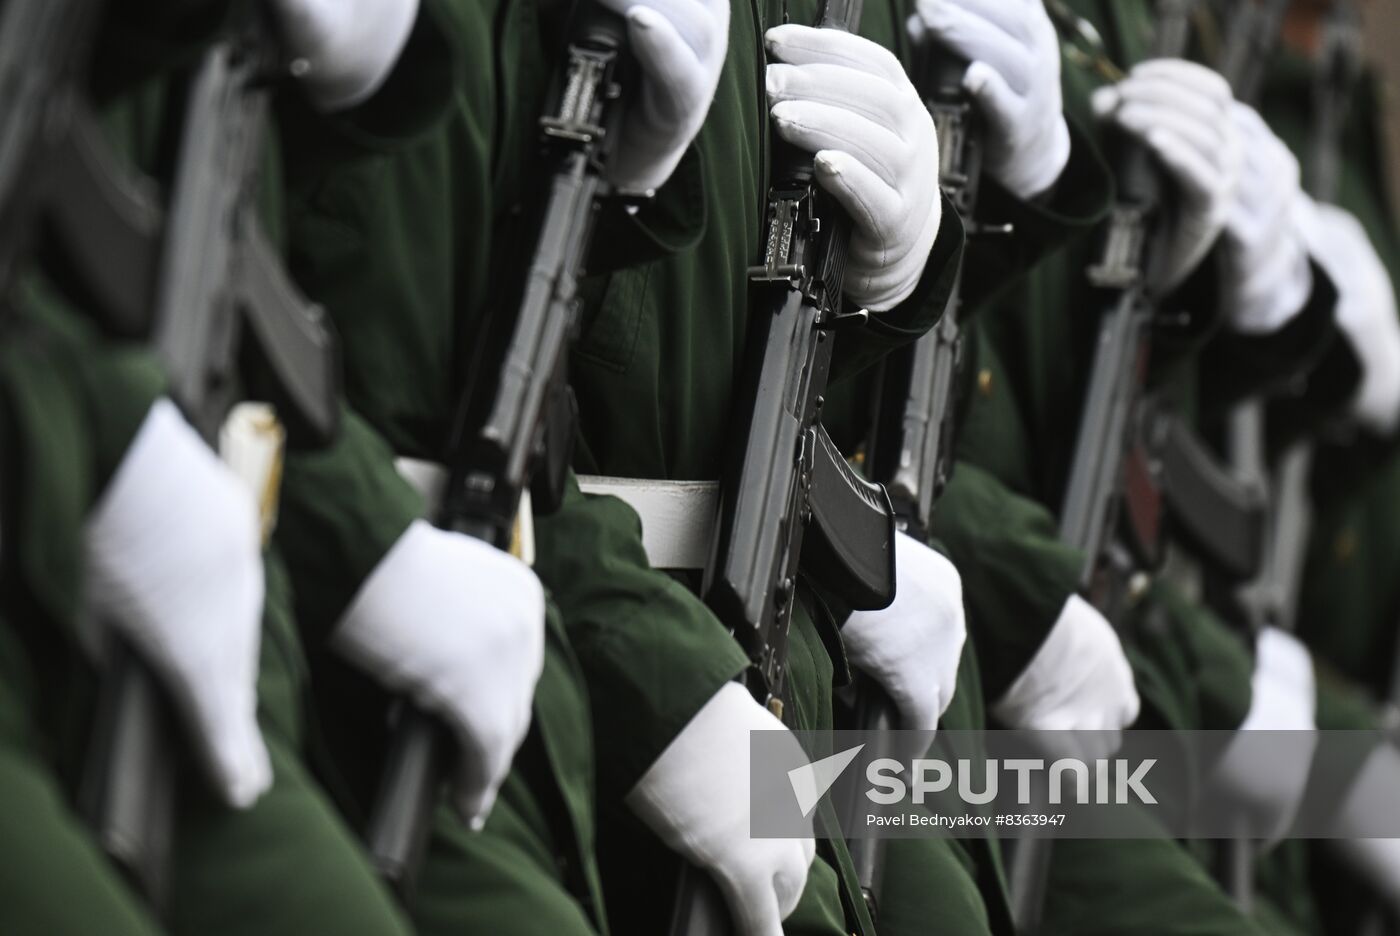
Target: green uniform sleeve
117, 381
1234, 365
1362, 190
1079, 200
1016, 575
1341, 707
342, 508
651, 652
1003, 539
72, 404
672, 221
1326, 389
1192, 669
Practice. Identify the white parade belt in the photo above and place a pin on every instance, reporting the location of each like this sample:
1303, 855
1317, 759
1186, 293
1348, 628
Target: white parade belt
678, 517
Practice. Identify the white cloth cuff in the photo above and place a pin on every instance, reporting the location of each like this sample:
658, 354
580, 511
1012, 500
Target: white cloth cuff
1079, 631
1036, 177
722, 725
1277, 299
403, 586
355, 50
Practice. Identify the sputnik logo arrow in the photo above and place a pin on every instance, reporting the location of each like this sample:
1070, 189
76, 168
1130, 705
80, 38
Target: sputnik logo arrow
810, 783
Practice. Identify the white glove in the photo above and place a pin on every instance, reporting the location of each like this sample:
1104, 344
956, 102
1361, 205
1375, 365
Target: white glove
1079, 680
1371, 795
679, 46
696, 799
1182, 112
174, 561
912, 648
1365, 309
1265, 276
458, 626
344, 50
849, 101
1014, 77
1267, 777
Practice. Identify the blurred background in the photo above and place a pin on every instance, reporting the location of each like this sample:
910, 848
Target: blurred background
1383, 42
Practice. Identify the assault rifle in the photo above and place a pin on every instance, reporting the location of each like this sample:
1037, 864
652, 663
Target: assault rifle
914, 457
1249, 46
216, 276
523, 443
921, 447
1112, 469
788, 496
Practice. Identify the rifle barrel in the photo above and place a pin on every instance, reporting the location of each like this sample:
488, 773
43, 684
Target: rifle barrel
491, 467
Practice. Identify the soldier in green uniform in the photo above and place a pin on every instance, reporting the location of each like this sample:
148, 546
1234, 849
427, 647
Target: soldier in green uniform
1346, 598
625, 619
57, 379
414, 251
1015, 450
109, 492
656, 370
1042, 184
1346, 578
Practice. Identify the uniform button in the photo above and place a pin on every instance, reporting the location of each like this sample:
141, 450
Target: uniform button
984, 382
1138, 586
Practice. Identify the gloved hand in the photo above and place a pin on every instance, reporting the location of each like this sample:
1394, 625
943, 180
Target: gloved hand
679, 46
173, 560
1079, 680
1371, 794
458, 626
1014, 78
1268, 778
1365, 309
345, 49
1265, 277
696, 799
1182, 112
849, 101
912, 648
